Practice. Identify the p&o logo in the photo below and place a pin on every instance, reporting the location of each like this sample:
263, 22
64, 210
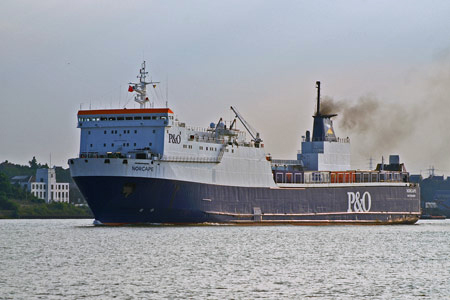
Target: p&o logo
358, 203
174, 138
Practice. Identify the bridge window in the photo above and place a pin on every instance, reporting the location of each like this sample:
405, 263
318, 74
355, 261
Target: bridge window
103, 118
138, 118
154, 118
120, 118
147, 118
128, 118
112, 118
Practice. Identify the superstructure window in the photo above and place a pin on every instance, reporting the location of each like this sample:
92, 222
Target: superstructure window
89, 132
112, 145
128, 118
128, 131
105, 132
112, 118
147, 118
154, 130
135, 144
103, 118
104, 145
120, 118
138, 118
149, 144
115, 131
124, 131
91, 145
135, 131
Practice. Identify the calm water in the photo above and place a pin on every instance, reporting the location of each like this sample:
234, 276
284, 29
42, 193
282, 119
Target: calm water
71, 259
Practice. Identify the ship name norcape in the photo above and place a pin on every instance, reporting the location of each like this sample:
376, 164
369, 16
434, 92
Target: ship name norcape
360, 203
142, 168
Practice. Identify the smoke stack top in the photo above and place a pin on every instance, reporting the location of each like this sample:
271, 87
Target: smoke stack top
323, 126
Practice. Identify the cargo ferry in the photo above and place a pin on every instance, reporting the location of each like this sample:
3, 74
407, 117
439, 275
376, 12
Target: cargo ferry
144, 166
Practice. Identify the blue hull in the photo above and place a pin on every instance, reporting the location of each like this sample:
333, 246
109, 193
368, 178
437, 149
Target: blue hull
129, 200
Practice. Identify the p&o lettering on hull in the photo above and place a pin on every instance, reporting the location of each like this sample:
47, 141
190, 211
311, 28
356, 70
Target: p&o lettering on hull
358, 203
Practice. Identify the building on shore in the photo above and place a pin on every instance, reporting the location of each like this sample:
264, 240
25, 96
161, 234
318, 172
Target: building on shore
44, 186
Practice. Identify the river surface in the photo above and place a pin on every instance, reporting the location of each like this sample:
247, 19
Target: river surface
71, 259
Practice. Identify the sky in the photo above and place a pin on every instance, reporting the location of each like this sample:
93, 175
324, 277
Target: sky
262, 57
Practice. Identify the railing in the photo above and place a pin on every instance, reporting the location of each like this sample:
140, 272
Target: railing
216, 159
190, 159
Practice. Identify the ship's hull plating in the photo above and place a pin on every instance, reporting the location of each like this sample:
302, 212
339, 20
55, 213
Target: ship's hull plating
131, 200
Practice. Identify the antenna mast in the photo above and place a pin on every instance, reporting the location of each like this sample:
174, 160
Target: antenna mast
318, 98
141, 88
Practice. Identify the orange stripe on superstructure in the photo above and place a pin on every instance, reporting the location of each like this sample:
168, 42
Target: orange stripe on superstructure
124, 111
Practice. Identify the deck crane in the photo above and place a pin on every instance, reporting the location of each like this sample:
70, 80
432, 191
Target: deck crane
250, 129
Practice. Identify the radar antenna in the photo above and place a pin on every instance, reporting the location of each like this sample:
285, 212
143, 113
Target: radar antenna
141, 88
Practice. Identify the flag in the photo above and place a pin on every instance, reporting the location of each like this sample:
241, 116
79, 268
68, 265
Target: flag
130, 89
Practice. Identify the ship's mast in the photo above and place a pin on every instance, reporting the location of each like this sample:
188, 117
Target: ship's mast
318, 98
141, 88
